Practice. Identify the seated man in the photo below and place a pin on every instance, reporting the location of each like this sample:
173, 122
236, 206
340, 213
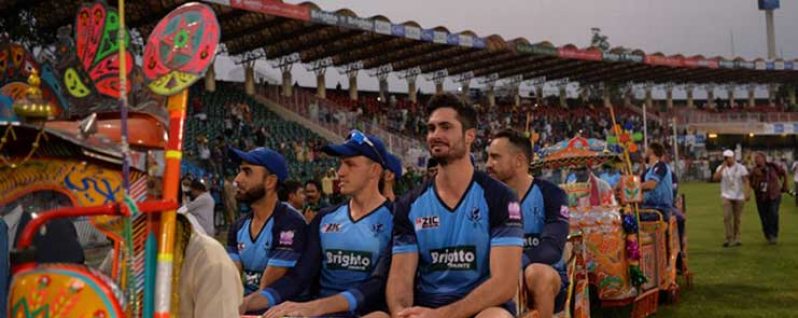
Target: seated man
545, 210
657, 182
268, 241
344, 264
458, 238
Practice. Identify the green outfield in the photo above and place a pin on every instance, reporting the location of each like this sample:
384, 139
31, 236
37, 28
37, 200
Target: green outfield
753, 280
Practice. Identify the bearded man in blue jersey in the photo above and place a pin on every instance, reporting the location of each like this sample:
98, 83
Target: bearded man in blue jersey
345, 263
458, 237
545, 209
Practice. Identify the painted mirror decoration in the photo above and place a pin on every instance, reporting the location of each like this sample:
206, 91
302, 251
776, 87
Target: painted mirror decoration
181, 48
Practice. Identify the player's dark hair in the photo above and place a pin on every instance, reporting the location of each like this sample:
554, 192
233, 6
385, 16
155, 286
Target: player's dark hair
287, 188
466, 114
517, 140
657, 148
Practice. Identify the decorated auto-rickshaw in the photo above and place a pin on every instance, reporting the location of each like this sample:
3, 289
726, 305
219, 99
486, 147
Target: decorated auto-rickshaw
88, 165
629, 253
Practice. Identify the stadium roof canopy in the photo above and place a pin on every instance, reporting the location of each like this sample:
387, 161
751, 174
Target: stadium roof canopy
270, 28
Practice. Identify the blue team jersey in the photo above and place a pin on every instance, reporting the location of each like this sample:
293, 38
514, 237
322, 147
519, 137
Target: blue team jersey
546, 214
661, 197
454, 244
342, 256
279, 244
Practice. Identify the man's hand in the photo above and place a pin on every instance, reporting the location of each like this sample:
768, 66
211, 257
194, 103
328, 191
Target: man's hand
292, 309
420, 312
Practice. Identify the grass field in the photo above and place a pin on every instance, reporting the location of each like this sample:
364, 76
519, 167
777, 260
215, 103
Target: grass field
753, 280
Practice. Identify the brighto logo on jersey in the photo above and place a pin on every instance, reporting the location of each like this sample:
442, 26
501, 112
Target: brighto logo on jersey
349, 260
459, 258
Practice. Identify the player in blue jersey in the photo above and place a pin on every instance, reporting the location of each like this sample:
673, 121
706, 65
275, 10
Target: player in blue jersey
269, 241
345, 262
657, 181
545, 209
458, 237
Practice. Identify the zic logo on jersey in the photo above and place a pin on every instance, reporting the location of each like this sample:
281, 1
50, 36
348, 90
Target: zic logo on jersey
531, 240
348, 260
427, 222
458, 258
331, 228
514, 211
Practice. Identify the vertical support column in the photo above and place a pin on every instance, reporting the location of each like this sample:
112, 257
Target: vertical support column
210, 79
383, 82
539, 94
649, 98
351, 71
439, 86
288, 85
411, 89
710, 95
321, 85
772, 94
490, 84
464, 80
381, 73
352, 85
464, 87
563, 94
517, 94
438, 77
689, 91
730, 94
605, 95
669, 95
249, 78
751, 95
791, 96
491, 96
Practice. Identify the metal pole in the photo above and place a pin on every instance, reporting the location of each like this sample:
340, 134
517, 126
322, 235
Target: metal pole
645, 127
675, 148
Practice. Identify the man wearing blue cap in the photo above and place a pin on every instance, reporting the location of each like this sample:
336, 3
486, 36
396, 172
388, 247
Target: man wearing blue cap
267, 243
348, 244
389, 177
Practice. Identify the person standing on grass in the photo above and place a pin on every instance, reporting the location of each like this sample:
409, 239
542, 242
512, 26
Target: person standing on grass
735, 191
769, 180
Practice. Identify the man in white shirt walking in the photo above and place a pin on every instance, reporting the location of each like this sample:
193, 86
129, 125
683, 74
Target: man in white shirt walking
735, 191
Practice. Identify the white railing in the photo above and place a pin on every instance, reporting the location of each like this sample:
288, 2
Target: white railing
694, 116
343, 121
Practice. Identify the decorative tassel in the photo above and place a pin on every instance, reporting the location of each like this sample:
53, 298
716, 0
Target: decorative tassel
638, 279
629, 223
632, 250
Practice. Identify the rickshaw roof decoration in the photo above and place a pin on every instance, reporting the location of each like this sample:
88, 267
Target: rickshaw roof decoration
578, 151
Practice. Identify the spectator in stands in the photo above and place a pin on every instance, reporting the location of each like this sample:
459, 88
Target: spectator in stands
293, 193
229, 199
769, 180
315, 201
263, 258
735, 191
327, 183
200, 207
389, 177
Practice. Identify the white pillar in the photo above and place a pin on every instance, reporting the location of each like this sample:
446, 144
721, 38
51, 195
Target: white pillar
249, 79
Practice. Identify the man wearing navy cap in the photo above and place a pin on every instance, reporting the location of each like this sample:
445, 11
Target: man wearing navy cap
348, 244
389, 177
267, 243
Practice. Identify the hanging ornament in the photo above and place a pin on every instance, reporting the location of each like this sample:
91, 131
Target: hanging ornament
632, 250
629, 223
637, 276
